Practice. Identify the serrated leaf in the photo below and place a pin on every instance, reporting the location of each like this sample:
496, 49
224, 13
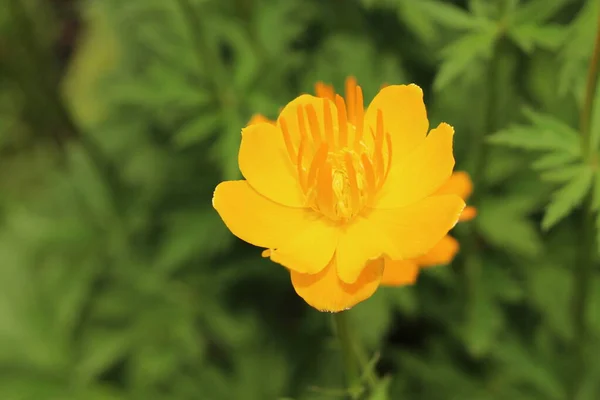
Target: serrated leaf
523, 367
568, 197
578, 47
199, 129
507, 229
268, 14
554, 160
551, 291
547, 122
444, 14
246, 62
100, 350
546, 133
484, 318
529, 36
536, 11
461, 54
561, 174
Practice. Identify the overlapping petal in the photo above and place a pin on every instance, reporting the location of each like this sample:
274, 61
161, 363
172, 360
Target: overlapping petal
405, 117
442, 253
400, 272
359, 242
459, 184
259, 119
309, 250
264, 162
415, 229
325, 291
264, 223
289, 114
422, 172
468, 214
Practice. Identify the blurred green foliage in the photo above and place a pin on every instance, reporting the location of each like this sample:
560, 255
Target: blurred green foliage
119, 281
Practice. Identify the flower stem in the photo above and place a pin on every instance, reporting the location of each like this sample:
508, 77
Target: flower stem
590, 95
587, 253
351, 364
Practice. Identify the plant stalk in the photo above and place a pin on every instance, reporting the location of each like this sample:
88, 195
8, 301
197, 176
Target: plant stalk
351, 363
590, 95
587, 253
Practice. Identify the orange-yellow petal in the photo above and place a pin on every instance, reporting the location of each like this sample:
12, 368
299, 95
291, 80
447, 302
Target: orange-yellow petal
289, 114
421, 173
259, 119
399, 273
359, 243
308, 251
468, 214
256, 219
326, 292
265, 163
411, 231
442, 253
459, 184
404, 117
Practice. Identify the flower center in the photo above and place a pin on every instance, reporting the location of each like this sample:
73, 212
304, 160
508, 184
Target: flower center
339, 167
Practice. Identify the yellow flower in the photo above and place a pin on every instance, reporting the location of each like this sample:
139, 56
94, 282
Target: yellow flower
405, 272
331, 189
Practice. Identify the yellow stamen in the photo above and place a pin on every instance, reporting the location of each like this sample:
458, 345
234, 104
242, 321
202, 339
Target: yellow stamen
342, 120
324, 91
359, 109
353, 183
313, 123
318, 160
369, 174
287, 138
351, 99
328, 123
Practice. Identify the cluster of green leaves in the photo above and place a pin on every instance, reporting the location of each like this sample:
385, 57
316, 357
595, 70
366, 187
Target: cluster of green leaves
119, 281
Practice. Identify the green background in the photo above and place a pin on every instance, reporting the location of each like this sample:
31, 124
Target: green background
118, 280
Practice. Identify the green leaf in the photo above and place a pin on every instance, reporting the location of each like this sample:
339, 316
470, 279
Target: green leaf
550, 287
443, 13
554, 160
101, 350
578, 47
381, 391
459, 56
568, 197
529, 36
484, 318
522, 366
508, 229
546, 133
561, 174
536, 11
199, 129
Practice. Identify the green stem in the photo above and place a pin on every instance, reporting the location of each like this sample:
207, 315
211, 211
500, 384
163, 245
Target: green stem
351, 364
590, 95
587, 253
